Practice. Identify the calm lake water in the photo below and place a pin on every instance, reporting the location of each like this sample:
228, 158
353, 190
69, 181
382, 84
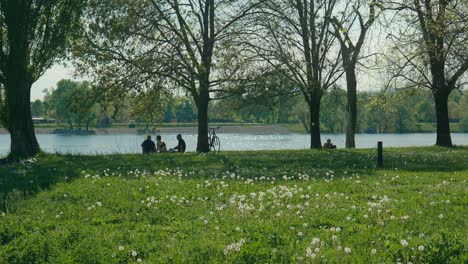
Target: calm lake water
125, 143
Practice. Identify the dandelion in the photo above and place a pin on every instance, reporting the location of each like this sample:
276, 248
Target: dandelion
441, 216
65, 195
347, 250
299, 234
366, 216
334, 237
421, 248
373, 251
338, 229
315, 241
99, 204
421, 235
317, 250
404, 243
134, 253
238, 229
121, 248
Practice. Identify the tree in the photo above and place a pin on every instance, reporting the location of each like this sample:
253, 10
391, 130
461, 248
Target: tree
432, 49
350, 51
294, 37
80, 103
33, 34
60, 101
175, 39
37, 108
147, 105
333, 110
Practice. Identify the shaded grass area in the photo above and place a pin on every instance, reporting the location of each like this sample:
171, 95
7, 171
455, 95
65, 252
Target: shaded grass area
52, 168
207, 208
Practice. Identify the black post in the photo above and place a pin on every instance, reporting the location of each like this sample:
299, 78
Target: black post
380, 154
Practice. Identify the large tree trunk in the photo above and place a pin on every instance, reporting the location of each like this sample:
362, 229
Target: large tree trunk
202, 105
351, 110
23, 139
314, 107
443, 126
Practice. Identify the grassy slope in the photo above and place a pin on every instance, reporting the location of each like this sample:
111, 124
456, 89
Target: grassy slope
268, 205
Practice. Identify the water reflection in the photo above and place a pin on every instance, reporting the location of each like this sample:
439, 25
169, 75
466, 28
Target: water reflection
125, 143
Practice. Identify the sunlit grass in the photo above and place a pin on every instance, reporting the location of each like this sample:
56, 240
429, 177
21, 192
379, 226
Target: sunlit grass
267, 206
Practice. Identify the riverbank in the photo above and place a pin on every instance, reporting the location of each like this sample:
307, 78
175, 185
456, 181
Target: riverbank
236, 207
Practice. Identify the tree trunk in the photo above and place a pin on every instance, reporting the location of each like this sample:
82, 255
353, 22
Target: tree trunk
443, 127
23, 139
351, 108
202, 106
314, 107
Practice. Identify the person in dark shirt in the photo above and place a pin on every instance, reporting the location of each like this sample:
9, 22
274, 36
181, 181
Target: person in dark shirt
329, 145
148, 145
181, 145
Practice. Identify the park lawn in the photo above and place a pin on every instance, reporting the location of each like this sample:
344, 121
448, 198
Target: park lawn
298, 206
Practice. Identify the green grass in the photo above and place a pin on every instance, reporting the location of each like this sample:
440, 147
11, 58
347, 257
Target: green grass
237, 207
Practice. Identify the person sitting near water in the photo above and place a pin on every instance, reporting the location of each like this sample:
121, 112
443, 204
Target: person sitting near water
329, 145
148, 145
180, 145
160, 145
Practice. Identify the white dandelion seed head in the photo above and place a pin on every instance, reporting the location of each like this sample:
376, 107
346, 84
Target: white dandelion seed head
404, 243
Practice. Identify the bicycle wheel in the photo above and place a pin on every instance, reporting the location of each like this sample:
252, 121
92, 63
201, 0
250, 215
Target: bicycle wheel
216, 143
210, 144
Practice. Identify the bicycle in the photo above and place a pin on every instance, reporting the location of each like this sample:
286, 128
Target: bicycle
213, 140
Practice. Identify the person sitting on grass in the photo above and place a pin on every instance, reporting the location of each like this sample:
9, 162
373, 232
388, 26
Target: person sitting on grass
160, 145
180, 145
148, 145
329, 145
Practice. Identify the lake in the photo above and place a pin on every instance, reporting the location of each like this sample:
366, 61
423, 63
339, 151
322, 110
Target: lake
126, 143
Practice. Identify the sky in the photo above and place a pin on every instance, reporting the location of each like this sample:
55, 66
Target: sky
49, 80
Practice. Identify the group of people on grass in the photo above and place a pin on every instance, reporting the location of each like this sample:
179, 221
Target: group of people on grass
148, 146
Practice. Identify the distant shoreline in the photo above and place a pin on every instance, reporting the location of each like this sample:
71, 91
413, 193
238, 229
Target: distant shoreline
269, 129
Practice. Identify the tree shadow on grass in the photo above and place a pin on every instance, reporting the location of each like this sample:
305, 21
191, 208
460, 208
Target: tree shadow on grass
23, 180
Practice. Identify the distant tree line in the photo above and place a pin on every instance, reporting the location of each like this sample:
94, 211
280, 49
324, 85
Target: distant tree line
74, 104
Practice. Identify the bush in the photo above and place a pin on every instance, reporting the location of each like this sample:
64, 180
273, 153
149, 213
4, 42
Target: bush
464, 124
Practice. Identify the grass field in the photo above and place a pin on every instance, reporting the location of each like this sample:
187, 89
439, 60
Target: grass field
304, 206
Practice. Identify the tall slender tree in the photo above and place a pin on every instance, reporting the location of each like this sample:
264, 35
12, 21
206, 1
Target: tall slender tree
33, 35
344, 30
